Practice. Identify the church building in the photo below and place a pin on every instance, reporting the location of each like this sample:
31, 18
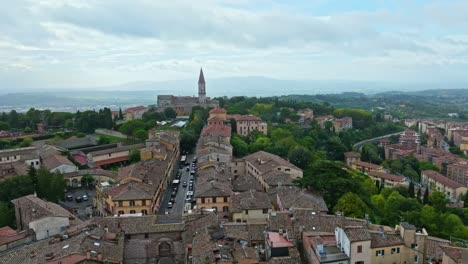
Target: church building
183, 104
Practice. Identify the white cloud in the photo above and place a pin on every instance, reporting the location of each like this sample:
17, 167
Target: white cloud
76, 43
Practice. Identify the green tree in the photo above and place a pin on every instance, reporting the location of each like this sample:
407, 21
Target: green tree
26, 142
411, 190
465, 200
141, 134
418, 196
426, 165
121, 116
438, 201
330, 180
4, 126
240, 147
351, 205
170, 112
300, 157
134, 155
87, 180
7, 215
426, 196
50, 186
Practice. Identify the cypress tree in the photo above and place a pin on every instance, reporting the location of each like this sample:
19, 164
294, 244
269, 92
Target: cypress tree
411, 190
426, 196
419, 195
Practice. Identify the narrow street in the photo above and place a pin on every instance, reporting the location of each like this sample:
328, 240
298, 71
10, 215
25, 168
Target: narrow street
179, 199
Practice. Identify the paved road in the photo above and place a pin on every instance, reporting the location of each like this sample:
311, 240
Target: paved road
179, 204
359, 144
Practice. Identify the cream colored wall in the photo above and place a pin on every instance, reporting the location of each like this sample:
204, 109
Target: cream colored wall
209, 204
388, 257
365, 255
252, 215
112, 155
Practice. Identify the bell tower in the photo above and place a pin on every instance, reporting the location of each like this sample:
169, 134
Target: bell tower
201, 88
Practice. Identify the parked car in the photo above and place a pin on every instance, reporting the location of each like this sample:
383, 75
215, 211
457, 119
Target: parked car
170, 205
78, 199
173, 194
187, 169
172, 200
85, 197
190, 188
184, 184
69, 198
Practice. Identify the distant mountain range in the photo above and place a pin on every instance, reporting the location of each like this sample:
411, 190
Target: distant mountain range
145, 93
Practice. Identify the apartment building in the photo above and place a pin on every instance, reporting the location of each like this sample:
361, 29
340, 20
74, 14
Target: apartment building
437, 182
246, 124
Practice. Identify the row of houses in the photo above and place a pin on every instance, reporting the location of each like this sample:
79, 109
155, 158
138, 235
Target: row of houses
338, 124
55, 236
138, 188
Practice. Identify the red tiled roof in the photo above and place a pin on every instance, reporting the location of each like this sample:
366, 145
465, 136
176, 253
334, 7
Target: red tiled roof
279, 241
217, 110
136, 108
217, 130
352, 154
386, 176
247, 118
80, 159
367, 165
110, 161
441, 179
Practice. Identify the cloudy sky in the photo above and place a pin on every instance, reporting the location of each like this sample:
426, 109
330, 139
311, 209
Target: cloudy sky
71, 43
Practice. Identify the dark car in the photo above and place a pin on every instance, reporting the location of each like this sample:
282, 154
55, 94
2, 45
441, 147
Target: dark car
173, 194
172, 200
78, 199
187, 169
69, 198
184, 184
190, 188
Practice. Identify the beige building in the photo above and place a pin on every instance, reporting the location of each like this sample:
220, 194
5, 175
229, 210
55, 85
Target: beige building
351, 157
46, 219
128, 198
454, 255
113, 154
437, 182
458, 172
134, 113
263, 166
250, 206
248, 123
366, 167
386, 180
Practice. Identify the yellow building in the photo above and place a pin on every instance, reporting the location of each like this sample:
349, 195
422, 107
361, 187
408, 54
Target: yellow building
366, 167
219, 113
214, 195
437, 182
129, 198
250, 205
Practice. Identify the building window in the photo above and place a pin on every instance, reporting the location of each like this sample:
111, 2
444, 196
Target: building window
265, 211
146, 235
128, 236
416, 258
287, 169
414, 245
120, 203
225, 199
132, 211
395, 250
235, 171
37, 162
202, 200
358, 262
279, 169
246, 212
109, 154
215, 208
380, 252
144, 212
225, 209
143, 202
238, 220
214, 199
132, 203
359, 249
121, 212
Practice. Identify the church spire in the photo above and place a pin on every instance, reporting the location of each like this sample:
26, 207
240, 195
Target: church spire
201, 79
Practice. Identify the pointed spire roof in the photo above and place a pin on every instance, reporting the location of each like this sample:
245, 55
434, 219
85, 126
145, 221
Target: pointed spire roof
201, 79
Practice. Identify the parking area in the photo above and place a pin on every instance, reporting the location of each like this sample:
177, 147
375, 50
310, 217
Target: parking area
79, 201
177, 195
